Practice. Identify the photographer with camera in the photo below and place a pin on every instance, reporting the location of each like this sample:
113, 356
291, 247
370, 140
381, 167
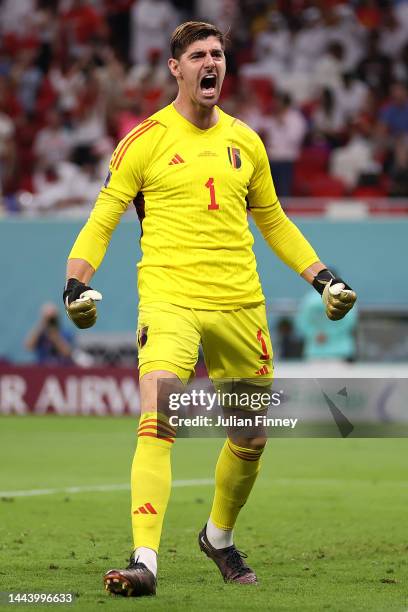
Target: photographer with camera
51, 344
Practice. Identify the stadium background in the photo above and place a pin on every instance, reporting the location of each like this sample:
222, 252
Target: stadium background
74, 77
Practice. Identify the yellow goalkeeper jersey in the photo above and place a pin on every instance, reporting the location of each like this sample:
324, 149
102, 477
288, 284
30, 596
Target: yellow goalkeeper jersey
197, 187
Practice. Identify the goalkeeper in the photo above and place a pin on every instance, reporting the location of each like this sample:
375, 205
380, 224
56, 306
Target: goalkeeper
199, 171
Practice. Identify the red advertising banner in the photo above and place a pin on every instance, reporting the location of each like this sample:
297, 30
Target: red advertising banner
68, 390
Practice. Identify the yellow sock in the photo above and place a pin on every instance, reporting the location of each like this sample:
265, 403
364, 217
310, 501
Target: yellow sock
151, 479
235, 474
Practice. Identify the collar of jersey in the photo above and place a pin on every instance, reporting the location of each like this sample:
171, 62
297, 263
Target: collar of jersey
193, 127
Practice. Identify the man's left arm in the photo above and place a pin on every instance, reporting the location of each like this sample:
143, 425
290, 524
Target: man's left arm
290, 245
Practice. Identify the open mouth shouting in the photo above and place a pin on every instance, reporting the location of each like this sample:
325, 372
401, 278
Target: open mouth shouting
208, 85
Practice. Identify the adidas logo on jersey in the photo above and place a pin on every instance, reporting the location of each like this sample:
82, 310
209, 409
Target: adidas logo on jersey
176, 160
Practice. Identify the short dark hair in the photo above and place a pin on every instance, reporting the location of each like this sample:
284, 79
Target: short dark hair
190, 31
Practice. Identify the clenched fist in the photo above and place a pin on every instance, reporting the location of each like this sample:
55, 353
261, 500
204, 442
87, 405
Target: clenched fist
337, 296
338, 300
79, 301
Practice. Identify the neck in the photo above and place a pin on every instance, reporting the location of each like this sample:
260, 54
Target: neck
200, 116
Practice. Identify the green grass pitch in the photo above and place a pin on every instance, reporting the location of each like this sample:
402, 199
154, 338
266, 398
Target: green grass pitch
326, 527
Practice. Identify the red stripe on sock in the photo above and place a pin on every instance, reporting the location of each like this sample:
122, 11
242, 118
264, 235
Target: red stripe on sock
157, 429
246, 456
152, 435
156, 423
157, 434
155, 420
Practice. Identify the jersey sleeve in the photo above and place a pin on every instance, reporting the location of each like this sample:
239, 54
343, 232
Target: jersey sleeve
124, 181
279, 231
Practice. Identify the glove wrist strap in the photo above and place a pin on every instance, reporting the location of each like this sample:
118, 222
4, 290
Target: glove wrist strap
73, 289
325, 277
321, 279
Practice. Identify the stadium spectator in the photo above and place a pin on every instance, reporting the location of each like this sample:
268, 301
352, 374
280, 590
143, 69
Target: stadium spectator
89, 115
272, 46
66, 80
152, 21
399, 171
287, 344
343, 27
393, 35
323, 340
328, 70
7, 152
68, 184
26, 78
80, 24
53, 142
327, 118
400, 67
16, 17
353, 159
50, 343
283, 132
375, 67
351, 96
394, 117
117, 13
309, 41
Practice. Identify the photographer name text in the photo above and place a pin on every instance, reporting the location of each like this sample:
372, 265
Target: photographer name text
232, 421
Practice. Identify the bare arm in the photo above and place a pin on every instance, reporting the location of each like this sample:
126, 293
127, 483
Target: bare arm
80, 269
312, 270
79, 298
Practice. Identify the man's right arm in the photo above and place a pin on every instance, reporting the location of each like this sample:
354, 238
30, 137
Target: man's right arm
86, 255
121, 186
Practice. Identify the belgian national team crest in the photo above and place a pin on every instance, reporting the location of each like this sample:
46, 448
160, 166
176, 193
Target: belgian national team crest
234, 156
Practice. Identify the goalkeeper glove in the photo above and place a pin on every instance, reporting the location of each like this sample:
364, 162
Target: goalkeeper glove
79, 302
338, 298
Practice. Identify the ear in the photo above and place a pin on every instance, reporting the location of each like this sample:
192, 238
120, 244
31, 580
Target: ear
174, 67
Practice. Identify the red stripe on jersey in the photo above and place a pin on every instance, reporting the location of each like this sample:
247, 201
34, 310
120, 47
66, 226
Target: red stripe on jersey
135, 130
126, 144
149, 506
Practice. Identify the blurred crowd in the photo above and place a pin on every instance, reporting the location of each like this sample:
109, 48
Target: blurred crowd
324, 83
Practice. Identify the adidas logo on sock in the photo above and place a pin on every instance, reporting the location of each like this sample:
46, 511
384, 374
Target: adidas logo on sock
145, 509
176, 160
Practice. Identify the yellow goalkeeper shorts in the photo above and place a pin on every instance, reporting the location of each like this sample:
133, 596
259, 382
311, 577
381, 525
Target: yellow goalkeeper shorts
235, 343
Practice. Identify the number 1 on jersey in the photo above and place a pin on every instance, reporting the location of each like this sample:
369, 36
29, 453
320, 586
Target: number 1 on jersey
210, 185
